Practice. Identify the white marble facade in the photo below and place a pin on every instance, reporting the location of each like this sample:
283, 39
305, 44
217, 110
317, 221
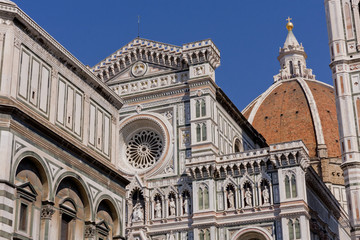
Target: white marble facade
145, 145
343, 21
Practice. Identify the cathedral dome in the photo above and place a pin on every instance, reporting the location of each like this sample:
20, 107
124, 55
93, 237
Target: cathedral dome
297, 106
296, 109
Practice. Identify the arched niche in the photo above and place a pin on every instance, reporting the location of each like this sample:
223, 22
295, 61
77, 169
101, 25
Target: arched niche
252, 233
107, 219
73, 201
31, 169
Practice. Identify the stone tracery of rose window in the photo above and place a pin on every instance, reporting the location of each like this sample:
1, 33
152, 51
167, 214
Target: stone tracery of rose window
144, 149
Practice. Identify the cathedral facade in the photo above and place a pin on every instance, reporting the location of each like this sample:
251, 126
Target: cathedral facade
145, 145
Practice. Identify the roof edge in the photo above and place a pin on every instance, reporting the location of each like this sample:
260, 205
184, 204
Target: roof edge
23, 20
230, 107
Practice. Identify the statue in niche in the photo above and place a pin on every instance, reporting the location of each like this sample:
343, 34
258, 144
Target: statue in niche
284, 72
157, 209
266, 195
138, 214
172, 207
230, 197
186, 205
184, 236
248, 197
172, 236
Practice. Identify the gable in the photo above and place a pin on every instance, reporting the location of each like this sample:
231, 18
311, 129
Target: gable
139, 70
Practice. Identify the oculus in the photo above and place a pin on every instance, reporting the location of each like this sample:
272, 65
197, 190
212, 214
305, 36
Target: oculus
144, 149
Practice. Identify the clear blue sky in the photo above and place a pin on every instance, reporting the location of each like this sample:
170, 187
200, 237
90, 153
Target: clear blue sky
247, 32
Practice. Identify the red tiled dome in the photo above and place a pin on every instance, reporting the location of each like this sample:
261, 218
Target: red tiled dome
290, 110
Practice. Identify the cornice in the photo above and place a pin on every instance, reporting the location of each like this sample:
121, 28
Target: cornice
313, 180
230, 107
171, 56
30, 27
20, 118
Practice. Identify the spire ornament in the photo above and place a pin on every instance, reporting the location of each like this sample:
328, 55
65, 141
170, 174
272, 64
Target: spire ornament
292, 58
289, 25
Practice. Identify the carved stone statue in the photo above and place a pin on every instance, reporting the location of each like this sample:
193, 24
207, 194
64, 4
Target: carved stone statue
171, 236
158, 209
230, 197
248, 197
138, 214
186, 205
266, 195
172, 207
184, 236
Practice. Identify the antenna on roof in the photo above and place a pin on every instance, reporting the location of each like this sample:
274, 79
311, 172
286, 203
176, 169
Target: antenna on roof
138, 26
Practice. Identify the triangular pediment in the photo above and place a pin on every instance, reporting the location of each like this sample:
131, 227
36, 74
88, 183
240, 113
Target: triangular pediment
27, 187
103, 226
159, 57
149, 70
135, 183
27, 191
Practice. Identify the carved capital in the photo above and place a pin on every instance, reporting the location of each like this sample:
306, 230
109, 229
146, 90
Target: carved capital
89, 231
47, 210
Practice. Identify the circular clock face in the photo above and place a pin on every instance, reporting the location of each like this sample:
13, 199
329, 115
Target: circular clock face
139, 69
144, 149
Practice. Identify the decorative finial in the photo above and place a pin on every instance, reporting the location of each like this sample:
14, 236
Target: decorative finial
289, 25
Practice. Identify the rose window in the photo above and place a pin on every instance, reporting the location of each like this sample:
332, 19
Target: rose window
144, 149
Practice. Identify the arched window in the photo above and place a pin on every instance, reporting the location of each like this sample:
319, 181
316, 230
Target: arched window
291, 68
297, 229
68, 215
201, 235
238, 146
201, 199
290, 186
293, 186
294, 229
107, 220
201, 132
197, 108
287, 187
204, 234
31, 190
198, 133
72, 200
204, 132
203, 195
291, 229
206, 198
207, 234
203, 108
